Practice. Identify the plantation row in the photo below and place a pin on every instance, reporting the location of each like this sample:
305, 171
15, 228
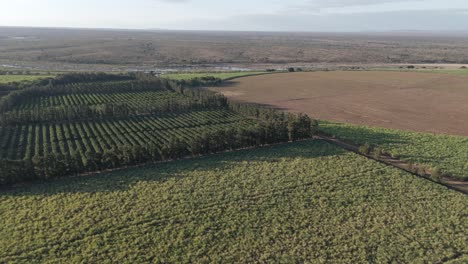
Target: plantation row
133, 99
27, 141
16, 98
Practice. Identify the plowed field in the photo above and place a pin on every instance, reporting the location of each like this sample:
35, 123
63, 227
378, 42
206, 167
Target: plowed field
404, 100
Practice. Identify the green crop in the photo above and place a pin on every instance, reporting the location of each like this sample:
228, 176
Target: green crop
301, 202
449, 153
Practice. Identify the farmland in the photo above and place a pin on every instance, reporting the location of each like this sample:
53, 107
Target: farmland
300, 202
19, 78
80, 123
133, 99
424, 102
220, 75
91, 137
448, 153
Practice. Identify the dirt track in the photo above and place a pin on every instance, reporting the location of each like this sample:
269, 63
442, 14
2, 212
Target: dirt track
411, 101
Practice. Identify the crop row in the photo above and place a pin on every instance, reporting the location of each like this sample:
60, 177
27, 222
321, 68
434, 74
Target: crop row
27, 141
133, 99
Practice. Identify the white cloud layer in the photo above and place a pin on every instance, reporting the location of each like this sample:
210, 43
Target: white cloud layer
271, 15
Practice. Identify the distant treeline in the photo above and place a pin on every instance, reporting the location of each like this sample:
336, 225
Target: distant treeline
272, 127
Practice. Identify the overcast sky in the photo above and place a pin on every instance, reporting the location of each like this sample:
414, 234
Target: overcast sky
255, 15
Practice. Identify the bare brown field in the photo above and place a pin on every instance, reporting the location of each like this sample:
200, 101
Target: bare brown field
423, 102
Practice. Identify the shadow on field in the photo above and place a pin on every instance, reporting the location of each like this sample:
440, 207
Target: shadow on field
123, 179
365, 134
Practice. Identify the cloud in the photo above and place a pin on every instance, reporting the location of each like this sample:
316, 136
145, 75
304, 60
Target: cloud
347, 3
427, 20
317, 6
172, 1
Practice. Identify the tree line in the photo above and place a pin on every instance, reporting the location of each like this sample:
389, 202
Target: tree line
55, 165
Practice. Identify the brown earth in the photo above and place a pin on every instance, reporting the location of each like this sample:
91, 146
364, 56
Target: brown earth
424, 102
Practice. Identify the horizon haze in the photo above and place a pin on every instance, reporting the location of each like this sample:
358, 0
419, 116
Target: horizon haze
298, 15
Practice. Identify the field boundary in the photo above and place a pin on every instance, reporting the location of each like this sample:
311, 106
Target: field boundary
449, 182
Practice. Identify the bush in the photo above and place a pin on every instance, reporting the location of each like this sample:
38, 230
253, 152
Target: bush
291, 70
377, 153
436, 174
365, 149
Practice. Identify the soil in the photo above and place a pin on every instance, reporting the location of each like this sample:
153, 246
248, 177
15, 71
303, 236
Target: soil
424, 102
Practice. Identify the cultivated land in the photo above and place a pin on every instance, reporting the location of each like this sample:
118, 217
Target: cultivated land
445, 152
220, 75
19, 78
89, 122
301, 202
403, 100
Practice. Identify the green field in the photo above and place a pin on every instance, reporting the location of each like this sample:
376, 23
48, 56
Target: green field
455, 71
441, 71
20, 78
448, 153
221, 75
302, 202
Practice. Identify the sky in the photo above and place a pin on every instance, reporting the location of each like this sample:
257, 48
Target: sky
240, 15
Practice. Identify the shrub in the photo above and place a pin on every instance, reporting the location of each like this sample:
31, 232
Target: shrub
436, 174
377, 153
291, 70
365, 149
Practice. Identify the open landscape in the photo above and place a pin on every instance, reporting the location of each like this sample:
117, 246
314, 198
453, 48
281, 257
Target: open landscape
114, 50
128, 137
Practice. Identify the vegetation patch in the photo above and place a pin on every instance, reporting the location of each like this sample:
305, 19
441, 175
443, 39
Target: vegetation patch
449, 154
4, 79
299, 202
220, 75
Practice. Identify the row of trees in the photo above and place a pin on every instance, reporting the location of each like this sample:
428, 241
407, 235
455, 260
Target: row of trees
60, 114
57, 165
8, 102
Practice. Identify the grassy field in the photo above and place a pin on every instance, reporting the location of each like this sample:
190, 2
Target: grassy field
455, 72
449, 153
442, 71
221, 75
19, 78
301, 202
